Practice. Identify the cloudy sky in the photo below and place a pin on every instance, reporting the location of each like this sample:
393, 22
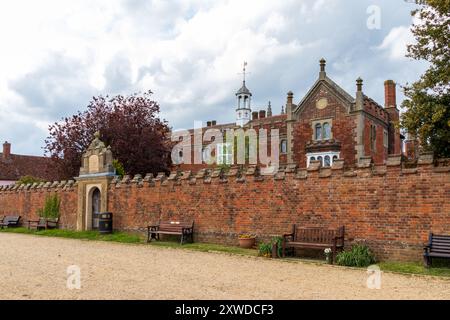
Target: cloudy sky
55, 55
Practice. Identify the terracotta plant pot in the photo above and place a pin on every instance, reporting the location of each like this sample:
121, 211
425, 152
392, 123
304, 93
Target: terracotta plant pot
247, 243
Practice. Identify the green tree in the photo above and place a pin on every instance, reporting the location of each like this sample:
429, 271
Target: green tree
427, 102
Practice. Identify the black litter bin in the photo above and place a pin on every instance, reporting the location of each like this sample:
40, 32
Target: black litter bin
105, 223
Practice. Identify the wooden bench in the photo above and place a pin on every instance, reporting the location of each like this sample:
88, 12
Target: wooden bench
10, 221
438, 247
314, 238
183, 229
43, 223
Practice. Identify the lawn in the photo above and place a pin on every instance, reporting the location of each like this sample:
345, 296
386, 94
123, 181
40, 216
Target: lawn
440, 268
125, 237
88, 235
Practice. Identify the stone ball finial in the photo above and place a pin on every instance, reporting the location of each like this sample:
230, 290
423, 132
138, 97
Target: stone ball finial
359, 83
322, 64
97, 134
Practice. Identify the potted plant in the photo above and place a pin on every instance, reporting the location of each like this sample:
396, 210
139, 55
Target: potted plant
247, 240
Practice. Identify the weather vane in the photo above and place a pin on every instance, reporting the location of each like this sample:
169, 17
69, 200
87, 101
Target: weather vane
244, 70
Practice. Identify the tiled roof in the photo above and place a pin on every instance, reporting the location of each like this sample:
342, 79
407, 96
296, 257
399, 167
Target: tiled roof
16, 166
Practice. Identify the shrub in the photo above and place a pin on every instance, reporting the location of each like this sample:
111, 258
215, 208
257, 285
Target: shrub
358, 256
51, 207
28, 180
265, 249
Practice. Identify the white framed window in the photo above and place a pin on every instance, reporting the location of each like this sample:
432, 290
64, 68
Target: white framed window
326, 158
224, 153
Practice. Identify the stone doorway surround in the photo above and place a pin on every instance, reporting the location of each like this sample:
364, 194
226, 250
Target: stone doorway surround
96, 171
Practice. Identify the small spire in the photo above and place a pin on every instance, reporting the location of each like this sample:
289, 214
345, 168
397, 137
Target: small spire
269, 110
282, 109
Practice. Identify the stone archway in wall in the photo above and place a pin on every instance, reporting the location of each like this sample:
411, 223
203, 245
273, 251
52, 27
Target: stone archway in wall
93, 206
96, 173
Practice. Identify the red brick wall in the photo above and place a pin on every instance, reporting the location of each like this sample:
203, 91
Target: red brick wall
393, 209
26, 203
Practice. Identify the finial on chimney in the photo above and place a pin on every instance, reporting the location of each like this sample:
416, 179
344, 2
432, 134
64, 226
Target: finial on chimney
290, 98
322, 65
359, 83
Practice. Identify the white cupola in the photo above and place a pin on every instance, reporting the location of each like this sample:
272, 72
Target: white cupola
243, 110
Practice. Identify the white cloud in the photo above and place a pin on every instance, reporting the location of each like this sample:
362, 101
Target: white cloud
57, 54
396, 41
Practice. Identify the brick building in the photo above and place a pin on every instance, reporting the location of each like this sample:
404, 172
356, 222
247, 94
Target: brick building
326, 124
15, 166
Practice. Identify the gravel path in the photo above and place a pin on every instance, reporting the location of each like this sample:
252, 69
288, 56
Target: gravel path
35, 267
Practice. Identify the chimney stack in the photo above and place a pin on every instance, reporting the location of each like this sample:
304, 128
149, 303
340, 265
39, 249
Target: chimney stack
6, 150
254, 115
213, 122
359, 102
389, 94
262, 114
208, 123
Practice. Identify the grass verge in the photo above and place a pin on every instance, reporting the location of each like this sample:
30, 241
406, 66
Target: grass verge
87, 235
124, 237
440, 268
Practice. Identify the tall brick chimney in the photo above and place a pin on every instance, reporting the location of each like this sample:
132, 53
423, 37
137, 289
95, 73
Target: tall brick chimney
262, 114
254, 115
389, 94
6, 150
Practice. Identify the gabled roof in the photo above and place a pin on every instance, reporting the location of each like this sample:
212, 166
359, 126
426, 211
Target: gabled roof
17, 166
346, 97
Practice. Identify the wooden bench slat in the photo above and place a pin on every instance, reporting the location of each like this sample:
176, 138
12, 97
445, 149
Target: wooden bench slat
439, 255
438, 247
